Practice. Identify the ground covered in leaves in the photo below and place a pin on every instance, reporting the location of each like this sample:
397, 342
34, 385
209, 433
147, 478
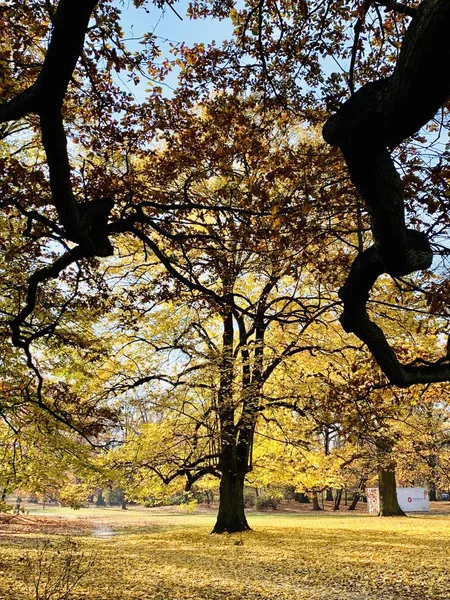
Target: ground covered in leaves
158, 554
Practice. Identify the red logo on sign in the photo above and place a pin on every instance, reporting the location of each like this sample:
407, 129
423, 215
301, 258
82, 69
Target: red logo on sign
409, 499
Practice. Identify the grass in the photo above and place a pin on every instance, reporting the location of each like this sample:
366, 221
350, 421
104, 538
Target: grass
167, 555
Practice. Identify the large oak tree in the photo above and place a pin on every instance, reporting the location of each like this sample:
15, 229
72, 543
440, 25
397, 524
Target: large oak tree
58, 59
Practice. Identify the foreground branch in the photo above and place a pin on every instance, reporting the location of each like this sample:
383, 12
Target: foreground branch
45, 98
377, 118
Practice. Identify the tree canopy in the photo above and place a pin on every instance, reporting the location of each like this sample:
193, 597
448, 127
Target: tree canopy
220, 208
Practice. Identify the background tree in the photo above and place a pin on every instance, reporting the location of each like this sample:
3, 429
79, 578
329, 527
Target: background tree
232, 207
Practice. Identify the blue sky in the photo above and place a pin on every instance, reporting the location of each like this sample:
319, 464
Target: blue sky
165, 24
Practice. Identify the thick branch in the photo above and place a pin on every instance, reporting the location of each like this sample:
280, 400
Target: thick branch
55, 145
379, 116
45, 98
70, 25
398, 7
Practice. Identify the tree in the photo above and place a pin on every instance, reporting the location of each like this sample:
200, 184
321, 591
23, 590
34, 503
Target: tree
86, 225
391, 105
42, 458
422, 447
235, 231
75, 199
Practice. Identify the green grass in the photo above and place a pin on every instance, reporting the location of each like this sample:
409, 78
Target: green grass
161, 555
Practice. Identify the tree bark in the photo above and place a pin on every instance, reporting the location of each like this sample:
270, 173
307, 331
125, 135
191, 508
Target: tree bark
231, 516
329, 495
358, 493
389, 506
355, 500
432, 493
337, 500
432, 487
315, 502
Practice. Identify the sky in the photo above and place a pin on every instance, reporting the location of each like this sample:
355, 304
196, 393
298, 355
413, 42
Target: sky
169, 28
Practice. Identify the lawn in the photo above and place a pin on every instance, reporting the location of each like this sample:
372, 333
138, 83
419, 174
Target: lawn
167, 555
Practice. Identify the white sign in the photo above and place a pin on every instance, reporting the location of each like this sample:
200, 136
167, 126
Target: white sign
409, 500
413, 499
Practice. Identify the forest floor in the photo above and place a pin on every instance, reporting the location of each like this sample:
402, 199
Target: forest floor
165, 554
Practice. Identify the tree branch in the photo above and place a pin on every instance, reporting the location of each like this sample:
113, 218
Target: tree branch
398, 7
380, 116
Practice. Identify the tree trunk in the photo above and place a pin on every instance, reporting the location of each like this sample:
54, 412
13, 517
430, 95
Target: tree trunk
236, 439
432, 493
358, 493
315, 500
302, 498
231, 516
355, 500
389, 506
337, 500
432, 488
329, 495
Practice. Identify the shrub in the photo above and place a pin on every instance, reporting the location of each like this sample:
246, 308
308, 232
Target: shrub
189, 506
55, 569
250, 497
268, 501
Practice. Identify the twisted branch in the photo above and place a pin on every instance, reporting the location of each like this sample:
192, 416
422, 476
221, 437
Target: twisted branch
45, 98
377, 118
